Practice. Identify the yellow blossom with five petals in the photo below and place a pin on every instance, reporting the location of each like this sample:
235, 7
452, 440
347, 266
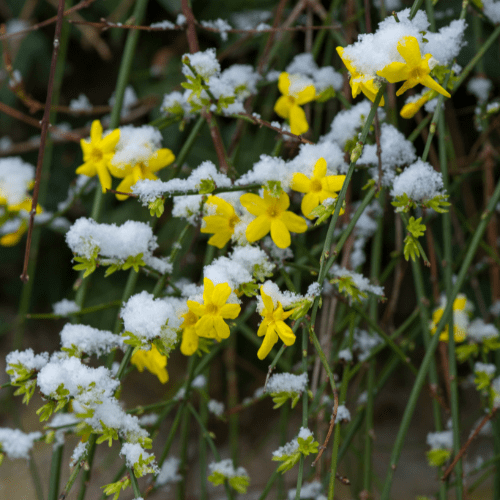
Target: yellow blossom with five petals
142, 170
214, 311
272, 215
288, 105
221, 223
318, 187
98, 153
273, 326
461, 309
413, 71
153, 361
358, 81
190, 340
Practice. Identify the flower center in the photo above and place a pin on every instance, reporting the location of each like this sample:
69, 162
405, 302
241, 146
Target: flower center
190, 319
418, 73
233, 220
316, 186
291, 100
273, 211
96, 155
212, 309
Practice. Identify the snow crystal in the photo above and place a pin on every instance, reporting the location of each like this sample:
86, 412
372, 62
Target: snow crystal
65, 420
248, 19
226, 468
309, 154
364, 343
80, 104
446, 44
65, 307
180, 20
314, 289
219, 24
215, 407
287, 299
268, 168
164, 25
16, 444
28, 359
150, 318
16, 177
480, 87
169, 472
129, 100
495, 308
287, 382
89, 340
440, 440
132, 453
478, 330
120, 242
360, 281
136, 145
308, 491
419, 181
487, 368
345, 355
78, 453
288, 449
343, 414
205, 63
199, 382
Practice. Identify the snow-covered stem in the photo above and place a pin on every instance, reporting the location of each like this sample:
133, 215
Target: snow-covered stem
82, 312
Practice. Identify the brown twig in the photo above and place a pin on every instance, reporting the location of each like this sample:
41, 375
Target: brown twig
82, 5
263, 123
459, 455
322, 448
43, 138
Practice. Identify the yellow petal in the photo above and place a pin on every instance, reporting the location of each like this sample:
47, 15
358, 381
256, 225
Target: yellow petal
221, 328
285, 333
409, 49
459, 303
205, 327
429, 82
196, 308
119, 171
11, 239
280, 234
109, 142
307, 94
293, 222
409, 84
160, 159
301, 183
370, 90
298, 122
219, 240
223, 207
258, 228
208, 290
220, 294
215, 224
268, 301
284, 83
125, 186
230, 311
87, 169
267, 344
253, 203
309, 203
104, 177
320, 168
190, 341
283, 105
262, 328
395, 72
333, 183
95, 131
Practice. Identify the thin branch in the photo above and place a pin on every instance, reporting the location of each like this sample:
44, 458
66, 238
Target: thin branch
330, 430
43, 138
487, 417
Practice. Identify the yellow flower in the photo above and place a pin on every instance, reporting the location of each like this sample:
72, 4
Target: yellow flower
271, 215
318, 188
214, 311
358, 81
222, 223
288, 105
411, 109
461, 309
413, 71
153, 361
189, 344
273, 326
11, 239
97, 154
143, 170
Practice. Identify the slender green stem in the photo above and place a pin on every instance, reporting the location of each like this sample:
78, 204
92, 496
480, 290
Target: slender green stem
81, 312
424, 367
36, 477
135, 484
55, 472
203, 446
270, 483
184, 442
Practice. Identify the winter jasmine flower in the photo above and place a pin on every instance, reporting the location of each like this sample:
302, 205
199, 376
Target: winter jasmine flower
294, 95
413, 71
358, 81
98, 153
461, 309
273, 326
221, 223
272, 215
153, 361
189, 344
318, 187
143, 170
410, 109
19, 225
214, 311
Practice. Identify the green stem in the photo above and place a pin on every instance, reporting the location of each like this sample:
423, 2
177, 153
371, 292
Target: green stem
135, 484
424, 367
270, 483
55, 472
36, 477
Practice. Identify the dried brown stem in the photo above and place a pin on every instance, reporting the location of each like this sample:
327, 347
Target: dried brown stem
43, 138
82, 5
322, 448
459, 455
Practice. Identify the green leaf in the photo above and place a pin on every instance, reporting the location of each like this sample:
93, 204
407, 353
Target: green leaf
482, 380
239, 483
116, 488
108, 434
415, 228
326, 95
437, 458
348, 288
438, 203
465, 351
403, 203
206, 186
411, 248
